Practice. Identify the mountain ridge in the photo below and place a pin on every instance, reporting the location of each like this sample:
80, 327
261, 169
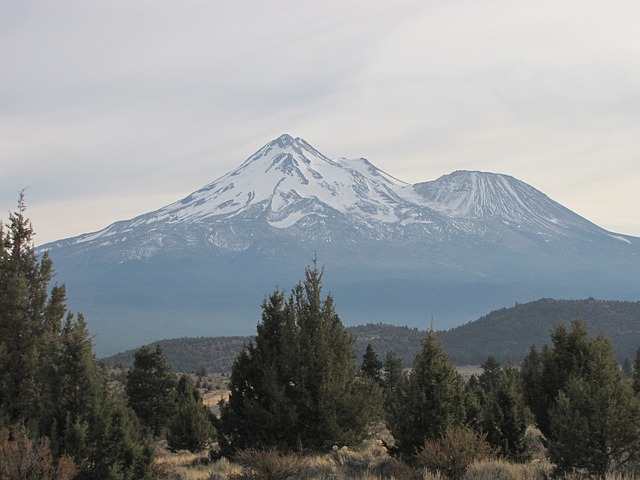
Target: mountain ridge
453, 247
385, 205
507, 334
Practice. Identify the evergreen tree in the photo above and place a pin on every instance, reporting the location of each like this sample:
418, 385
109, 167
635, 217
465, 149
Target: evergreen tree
392, 380
531, 372
572, 355
120, 449
504, 415
150, 388
23, 320
635, 378
372, 366
190, 428
431, 400
595, 422
49, 377
490, 374
297, 386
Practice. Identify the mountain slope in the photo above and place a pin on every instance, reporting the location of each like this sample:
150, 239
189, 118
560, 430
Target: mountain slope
507, 334
450, 248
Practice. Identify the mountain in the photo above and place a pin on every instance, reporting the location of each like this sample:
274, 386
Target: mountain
507, 334
446, 250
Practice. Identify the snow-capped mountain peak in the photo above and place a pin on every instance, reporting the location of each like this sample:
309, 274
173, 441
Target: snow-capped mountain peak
289, 188
287, 180
454, 246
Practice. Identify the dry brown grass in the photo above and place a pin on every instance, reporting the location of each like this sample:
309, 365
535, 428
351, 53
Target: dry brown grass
182, 465
368, 461
211, 399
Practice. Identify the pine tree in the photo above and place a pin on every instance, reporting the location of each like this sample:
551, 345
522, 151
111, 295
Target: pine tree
504, 415
372, 366
635, 378
430, 402
190, 428
150, 388
120, 448
490, 374
297, 386
392, 379
23, 320
546, 374
49, 378
595, 422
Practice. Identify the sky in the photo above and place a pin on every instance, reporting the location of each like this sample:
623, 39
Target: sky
113, 109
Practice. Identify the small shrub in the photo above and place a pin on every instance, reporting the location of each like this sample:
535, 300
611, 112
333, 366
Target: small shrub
162, 471
454, 452
535, 442
268, 465
24, 459
223, 470
503, 470
372, 459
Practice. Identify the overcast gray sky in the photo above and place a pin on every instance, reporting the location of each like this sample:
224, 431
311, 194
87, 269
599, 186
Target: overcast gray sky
112, 109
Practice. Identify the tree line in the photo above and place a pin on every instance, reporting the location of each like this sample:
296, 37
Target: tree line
296, 387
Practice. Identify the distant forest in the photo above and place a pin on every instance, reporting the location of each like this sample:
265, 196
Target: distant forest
506, 334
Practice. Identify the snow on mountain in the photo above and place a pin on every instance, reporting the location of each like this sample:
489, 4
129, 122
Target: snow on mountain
290, 188
489, 196
452, 248
279, 181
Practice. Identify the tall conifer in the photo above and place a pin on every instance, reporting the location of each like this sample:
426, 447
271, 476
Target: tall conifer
298, 386
431, 400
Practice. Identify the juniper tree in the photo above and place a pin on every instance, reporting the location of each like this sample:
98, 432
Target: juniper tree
595, 421
150, 388
431, 400
392, 379
24, 280
585, 408
504, 416
371, 365
49, 378
298, 385
190, 428
635, 377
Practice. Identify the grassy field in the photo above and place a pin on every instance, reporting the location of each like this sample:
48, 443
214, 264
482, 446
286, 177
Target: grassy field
370, 461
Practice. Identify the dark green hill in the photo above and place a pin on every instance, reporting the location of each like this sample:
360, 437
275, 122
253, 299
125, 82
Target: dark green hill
507, 334
214, 354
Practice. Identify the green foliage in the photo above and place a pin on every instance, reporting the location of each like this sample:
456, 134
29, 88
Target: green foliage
27, 320
595, 421
150, 388
429, 401
504, 415
371, 365
190, 428
636, 373
188, 354
49, 378
508, 333
582, 403
297, 386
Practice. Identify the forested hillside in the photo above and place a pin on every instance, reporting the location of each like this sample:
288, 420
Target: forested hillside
216, 354
507, 334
